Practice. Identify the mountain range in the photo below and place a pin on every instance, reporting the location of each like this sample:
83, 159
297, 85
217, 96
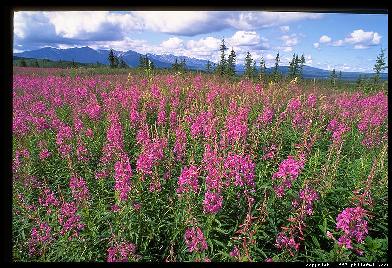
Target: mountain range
89, 55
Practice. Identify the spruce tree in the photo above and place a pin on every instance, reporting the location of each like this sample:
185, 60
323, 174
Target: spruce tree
222, 64
254, 70
292, 67
183, 65
379, 66
231, 63
175, 65
111, 58
296, 66
333, 77
23, 63
248, 65
276, 73
262, 68
208, 67
123, 64
301, 67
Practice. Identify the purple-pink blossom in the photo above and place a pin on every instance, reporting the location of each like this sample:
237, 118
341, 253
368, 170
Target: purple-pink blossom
188, 180
194, 239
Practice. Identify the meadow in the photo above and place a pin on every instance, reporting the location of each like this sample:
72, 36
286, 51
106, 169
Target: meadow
196, 167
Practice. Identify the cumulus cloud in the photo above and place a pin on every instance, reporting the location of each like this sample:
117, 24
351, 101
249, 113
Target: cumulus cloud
316, 45
285, 29
308, 60
256, 20
325, 39
337, 43
289, 40
172, 43
244, 38
360, 39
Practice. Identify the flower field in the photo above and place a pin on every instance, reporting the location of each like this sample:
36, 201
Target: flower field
195, 167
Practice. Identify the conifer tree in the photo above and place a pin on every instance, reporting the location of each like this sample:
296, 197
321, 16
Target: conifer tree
301, 67
254, 70
333, 77
231, 63
248, 65
379, 66
123, 64
262, 68
222, 65
208, 67
276, 73
23, 63
112, 59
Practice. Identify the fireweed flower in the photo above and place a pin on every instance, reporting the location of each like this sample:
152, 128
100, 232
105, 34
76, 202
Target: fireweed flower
308, 196
39, 237
288, 171
237, 125
240, 169
337, 129
352, 222
124, 252
47, 199
235, 253
180, 143
194, 239
212, 163
82, 152
265, 117
161, 119
69, 221
93, 110
293, 105
151, 154
122, 175
188, 180
284, 242
44, 154
269, 152
212, 202
79, 189
143, 136
89, 133
312, 100
173, 119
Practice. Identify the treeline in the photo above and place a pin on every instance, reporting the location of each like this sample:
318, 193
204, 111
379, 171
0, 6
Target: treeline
227, 66
45, 63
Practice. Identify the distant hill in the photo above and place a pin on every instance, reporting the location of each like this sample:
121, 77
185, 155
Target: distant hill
87, 55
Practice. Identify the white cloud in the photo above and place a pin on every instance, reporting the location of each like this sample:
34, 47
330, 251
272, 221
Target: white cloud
316, 45
172, 43
256, 20
325, 39
337, 43
358, 38
270, 57
285, 49
289, 40
244, 38
308, 59
360, 46
285, 29
363, 38
72, 24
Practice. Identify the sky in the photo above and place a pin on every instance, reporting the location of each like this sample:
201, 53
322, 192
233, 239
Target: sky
341, 41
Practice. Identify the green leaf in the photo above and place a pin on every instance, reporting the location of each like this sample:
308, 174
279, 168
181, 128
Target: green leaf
315, 241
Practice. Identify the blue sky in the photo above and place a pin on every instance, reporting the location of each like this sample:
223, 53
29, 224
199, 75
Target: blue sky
346, 42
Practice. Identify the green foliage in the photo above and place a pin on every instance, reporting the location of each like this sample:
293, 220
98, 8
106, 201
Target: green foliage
276, 73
